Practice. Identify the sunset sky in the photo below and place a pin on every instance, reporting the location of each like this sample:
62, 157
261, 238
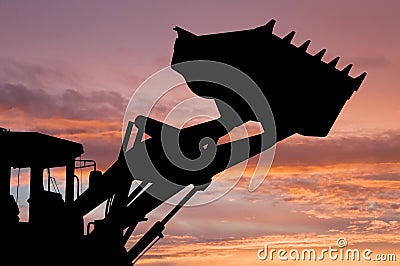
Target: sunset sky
69, 68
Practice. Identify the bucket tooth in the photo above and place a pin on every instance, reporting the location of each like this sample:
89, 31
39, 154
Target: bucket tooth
288, 38
334, 61
305, 45
358, 80
347, 69
320, 54
270, 25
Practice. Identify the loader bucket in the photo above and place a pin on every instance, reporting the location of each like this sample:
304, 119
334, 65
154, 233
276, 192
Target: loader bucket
305, 93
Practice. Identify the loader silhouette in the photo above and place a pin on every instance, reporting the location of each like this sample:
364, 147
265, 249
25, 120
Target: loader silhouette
304, 93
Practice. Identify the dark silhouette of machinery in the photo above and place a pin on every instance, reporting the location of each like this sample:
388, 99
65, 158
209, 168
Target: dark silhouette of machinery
305, 95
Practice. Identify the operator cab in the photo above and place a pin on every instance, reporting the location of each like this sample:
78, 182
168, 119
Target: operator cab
38, 152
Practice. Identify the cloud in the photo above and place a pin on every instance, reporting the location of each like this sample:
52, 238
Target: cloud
69, 104
319, 199
36, 75
339, 148
243, 251
91, 118
343, 191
